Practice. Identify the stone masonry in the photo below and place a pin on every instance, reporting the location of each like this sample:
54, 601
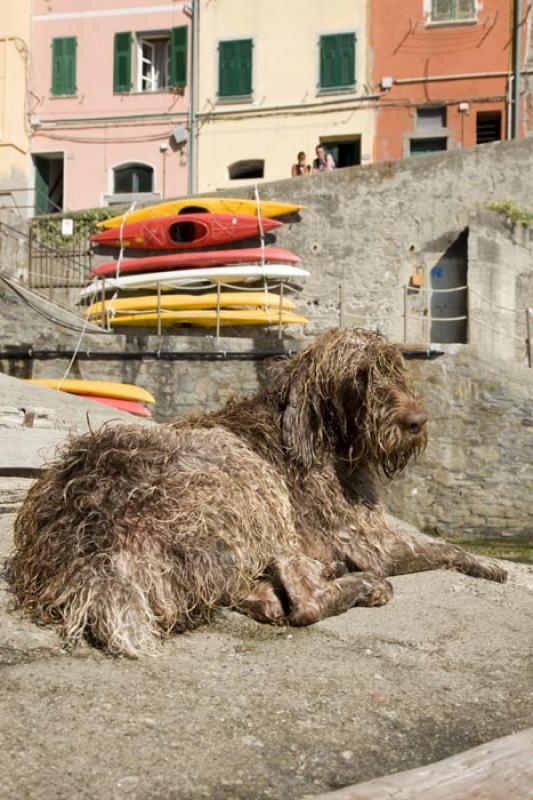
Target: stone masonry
362, 234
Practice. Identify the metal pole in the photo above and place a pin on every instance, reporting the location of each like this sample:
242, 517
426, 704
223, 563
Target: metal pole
428, 304
405, 313
515, 131
104, 306
159, 308
218, 310
529, 314
280, 319
193, 155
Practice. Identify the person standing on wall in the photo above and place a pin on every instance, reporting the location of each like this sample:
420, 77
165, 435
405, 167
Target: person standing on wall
324, 161
301, 167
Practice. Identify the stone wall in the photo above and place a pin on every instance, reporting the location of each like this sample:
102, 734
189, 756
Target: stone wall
476, 476
363, 234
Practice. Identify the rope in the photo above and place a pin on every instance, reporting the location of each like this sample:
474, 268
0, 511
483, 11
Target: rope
522, 339
76, 350
496, 305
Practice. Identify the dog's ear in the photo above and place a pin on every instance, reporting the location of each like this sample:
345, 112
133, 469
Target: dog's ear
301, 428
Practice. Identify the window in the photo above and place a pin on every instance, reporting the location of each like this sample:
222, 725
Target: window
488, 126
250, 168
153, 63
345, 152
431, 117
133, 179
337, 61
64, 66
235, 68
452, 10
420, 147
160, 60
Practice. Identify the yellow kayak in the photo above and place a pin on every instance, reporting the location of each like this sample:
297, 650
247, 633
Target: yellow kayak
208, 318
185, 302
213, 205
121, 391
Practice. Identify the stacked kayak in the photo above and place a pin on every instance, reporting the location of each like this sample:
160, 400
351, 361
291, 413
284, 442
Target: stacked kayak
205, 205
233, 308
123, 396
182, 233
199, 258
194, 274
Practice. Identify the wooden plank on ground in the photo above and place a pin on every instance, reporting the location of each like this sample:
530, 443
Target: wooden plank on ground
496, 770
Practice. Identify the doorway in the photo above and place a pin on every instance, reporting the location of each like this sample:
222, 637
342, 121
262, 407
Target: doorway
450, 272
49, 173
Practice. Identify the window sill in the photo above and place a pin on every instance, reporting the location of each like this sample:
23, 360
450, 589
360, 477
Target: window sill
150, 92
64, 97
455, 23
238, 99
336, 90
124, 198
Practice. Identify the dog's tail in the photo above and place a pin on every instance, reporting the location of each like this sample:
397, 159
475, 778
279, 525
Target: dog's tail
117, 604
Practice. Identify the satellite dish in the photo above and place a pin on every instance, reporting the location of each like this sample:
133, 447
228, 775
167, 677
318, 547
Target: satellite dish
180, 135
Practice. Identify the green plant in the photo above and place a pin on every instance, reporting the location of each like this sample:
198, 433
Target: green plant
514, 213
48, 229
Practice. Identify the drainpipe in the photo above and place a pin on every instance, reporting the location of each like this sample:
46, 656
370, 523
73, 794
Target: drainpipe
515, 128
193, 141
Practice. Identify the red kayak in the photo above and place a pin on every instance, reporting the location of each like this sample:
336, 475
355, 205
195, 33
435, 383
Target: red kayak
211, 258
183, 231
131, 406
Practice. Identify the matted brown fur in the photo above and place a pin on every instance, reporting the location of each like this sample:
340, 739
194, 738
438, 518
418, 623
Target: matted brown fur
268, 506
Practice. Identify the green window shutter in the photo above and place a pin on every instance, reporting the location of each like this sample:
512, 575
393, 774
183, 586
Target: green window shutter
178, 56
64, 65
122, 63
70, 46
235, 68
57, 66
337, 61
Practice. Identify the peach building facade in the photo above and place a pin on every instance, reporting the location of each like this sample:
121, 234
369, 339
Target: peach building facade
443, 69
110, 101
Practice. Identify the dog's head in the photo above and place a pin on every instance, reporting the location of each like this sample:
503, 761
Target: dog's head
349, 393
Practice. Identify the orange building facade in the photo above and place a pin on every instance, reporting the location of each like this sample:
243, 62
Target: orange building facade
443, 69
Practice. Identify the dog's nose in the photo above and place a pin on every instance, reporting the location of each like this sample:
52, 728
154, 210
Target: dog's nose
414, 421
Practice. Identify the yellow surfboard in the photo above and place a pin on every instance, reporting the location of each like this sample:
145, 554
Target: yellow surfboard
185, 302
121, 391
208, 318
214, 205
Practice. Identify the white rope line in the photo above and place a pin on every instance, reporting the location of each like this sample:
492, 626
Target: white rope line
496, 305
77, 348
92, 295
507, 334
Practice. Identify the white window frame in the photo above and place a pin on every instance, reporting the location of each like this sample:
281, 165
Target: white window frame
428, 5
146, 38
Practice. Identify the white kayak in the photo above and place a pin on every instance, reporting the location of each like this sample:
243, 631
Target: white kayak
184, 277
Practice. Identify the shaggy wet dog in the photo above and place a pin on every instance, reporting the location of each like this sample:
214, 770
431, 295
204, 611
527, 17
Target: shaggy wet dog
267, 506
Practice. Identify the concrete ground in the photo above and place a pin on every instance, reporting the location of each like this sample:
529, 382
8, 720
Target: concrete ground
238, 711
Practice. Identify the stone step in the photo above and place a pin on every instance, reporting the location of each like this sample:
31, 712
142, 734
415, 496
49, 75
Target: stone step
24, 451
12, 492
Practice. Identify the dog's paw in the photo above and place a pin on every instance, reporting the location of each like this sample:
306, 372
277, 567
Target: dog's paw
380, 593
492, 571
485, 568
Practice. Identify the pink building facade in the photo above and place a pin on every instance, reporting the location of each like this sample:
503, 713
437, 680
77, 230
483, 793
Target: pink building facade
109, 101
